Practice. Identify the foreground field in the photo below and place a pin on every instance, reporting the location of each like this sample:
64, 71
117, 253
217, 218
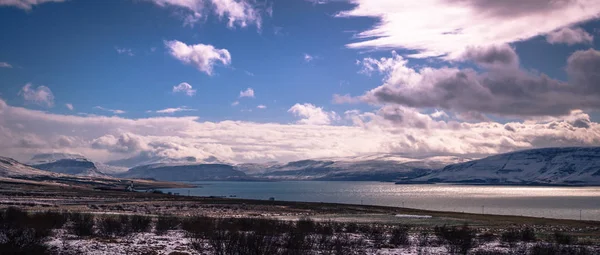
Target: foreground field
57, 220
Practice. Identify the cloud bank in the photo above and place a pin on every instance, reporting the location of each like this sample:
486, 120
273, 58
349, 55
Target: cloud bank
392, 129
502, 89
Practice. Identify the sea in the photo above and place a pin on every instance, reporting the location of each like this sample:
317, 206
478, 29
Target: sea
549, 202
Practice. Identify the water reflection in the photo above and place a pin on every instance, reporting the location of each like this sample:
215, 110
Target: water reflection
552, 202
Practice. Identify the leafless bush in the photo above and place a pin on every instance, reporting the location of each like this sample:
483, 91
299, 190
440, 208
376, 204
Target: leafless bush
296, 243
457, 239
166, 223
400, 235
139, 224
113, 226
377, 234
198, 226
514, 235
306, 226
564, 238
19, 233
81, 224
351, 228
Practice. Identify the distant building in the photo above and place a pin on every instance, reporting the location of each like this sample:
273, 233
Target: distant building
130, 187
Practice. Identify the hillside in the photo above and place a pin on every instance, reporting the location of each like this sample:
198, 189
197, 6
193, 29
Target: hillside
79, 167
549, 166
184, 172
10, 168
372, 168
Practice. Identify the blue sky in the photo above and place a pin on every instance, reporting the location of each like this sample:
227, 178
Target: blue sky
71, 48
299, 58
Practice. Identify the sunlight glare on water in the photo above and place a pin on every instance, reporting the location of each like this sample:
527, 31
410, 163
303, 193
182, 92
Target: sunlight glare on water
550, 202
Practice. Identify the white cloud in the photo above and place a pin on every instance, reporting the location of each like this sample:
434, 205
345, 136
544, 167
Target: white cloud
42, 95
237, 12
5, 65
124, 51
249, 92
570, 36
202, 56
313, 115
174, 110
261, 106
69, 106
389, 130
235, 103
315, 2
446, 27
110, 110
501, 89
184, 87
308, 58
439, 114
26, 4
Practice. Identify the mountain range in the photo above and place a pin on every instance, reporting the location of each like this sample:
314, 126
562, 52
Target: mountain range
548, 166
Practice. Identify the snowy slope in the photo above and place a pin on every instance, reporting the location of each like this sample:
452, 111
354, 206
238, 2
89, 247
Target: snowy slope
44, 158
11, 168
561, 166
184, 172
386, 167
144, 159
72, 164
110, 170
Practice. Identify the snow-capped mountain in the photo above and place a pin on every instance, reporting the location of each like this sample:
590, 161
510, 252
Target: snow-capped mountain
110, 170
10, 168
72, 164
184, 172
385, 167
145, 158
44, 158
552, 166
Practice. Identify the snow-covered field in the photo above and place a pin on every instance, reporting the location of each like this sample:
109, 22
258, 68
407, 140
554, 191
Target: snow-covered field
178, 242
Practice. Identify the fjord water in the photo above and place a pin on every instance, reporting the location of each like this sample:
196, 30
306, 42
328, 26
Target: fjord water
549, 202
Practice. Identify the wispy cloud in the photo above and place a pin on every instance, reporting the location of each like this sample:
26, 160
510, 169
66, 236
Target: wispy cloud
184, 87
308, 58
249, 92
26, 4
174, 110
235, 103
261, 106
443, 28
124, 51
5, 65
114, 111
41, 95
238, 13
70, 107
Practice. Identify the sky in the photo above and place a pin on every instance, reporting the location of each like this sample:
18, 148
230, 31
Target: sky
282, 80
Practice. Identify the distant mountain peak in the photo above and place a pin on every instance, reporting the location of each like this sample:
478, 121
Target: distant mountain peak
51, 157
65, 163
551, 166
